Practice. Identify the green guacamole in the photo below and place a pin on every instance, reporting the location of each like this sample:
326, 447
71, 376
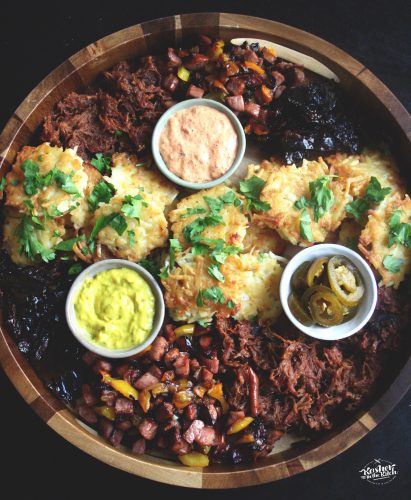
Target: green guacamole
116, 308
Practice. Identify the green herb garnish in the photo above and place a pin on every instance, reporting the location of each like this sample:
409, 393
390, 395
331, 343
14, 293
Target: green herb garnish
392, 264
132, 206
215, 272
374, 194
102, 193
75, 268
29, 244
400, 232
251, 188
67, 245
305, 225
102, 163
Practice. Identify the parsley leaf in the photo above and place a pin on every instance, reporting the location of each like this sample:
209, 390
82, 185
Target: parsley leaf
200, 249
251, 188
131, 238
32, 178
67, 245
392, 264
305, 225
204, 324
2, 183
230, 198
102, 163
114, 220
215, 272
301, 203
374, 194
132, 206
193, 211
214, 294
230, 304
118, 133
65, 182
214, 204
29, 244
220, 255
75, 268
322, 198
150, 266
193, 230
400, 232
102, 193
175, 246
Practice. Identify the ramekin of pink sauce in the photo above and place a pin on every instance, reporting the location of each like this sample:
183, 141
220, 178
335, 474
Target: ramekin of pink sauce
198, 143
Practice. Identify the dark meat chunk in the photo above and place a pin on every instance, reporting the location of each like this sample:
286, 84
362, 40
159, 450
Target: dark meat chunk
125, 425
171, 356
106, 428
89, 397
108, 397
182, 365
170, 83
145, 381
172, 58
236, 85
207, 437
211, 364
139, 447
194, 431
148, 428
233, 416
169, 333
195, 62
208, 412
194, 92
206, 377
116, 438
87, 414
158, 348
205, 342
124, 406
179, 446
236, 103
252, 109
102, 365
155, 371
164, 412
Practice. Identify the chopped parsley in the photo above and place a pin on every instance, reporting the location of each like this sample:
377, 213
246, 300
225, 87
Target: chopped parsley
213, 294
193, 211
29, 245
151, 266
131, 238
76, 268
132, 206
118, 133
102, 193
305, 225
193, 230
64, 181
32, 178
204, 324
215, 272
321, 198
251, 188
67, 245
400, 232
175, 246
214, 204
230, 304
102, 163
2, 183
114, 220
392, 264
374, 194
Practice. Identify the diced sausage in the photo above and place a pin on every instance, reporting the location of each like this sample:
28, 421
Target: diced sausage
194, 365
236, 85
278, 91
205, 342
164, 412
125, 425
124, 406
208, 413
148, 428
171, 356
169, 333
89, 397
89, 357
194, 92
106, 428
194, 431
235, 102
145, 381
279, 77
268, 55
139, 447
158, 348
196, 62
250, 55
191, 411
211, 364
168, 375
108, 397
116, 438
155, 371
102, 365
233, 416
179, 446
182, 365
87, 414
170, 83
131, 375
206, 377
252, 109
172, 58
206, 437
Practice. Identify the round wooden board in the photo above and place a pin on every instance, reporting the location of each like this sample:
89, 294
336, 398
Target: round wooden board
81, 69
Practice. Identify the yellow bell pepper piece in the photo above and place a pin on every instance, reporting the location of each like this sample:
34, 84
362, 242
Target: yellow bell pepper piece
217, 392
255, 67
239, 425
181, 399
184, 330
159, 388
120, 386
105, 411
194, 459
199, 391
183, 73
144, 400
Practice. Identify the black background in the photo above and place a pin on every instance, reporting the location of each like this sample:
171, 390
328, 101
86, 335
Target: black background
37, 36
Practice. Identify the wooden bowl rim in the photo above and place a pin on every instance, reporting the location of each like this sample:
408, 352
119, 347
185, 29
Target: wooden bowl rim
30, 387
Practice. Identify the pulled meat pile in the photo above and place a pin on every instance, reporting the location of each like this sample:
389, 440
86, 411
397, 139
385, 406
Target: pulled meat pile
276, 101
